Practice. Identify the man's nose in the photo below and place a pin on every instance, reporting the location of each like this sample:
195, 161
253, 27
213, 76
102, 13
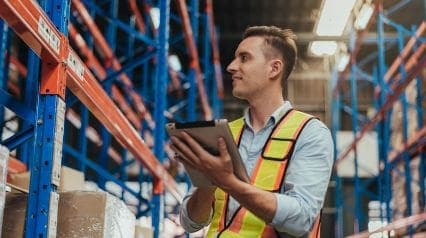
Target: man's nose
231, 67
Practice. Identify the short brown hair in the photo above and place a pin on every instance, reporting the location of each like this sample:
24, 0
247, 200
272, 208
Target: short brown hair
282, 40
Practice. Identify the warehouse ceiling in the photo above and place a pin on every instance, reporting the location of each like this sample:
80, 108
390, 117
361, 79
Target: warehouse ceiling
232, 17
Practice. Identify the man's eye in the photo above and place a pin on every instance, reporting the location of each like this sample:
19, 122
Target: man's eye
244, 58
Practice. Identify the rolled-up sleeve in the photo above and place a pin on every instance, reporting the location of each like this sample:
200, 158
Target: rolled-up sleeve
307, 178
186, 222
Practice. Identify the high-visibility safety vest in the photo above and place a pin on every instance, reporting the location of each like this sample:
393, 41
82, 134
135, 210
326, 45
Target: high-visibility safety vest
268, 175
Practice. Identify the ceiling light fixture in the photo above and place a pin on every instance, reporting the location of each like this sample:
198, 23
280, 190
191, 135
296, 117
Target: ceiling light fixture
343, 62
322, 48
334, 16
364, 16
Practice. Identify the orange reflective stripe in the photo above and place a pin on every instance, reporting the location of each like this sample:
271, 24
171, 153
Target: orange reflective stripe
276, 133
269, 232
316, 229
238, 221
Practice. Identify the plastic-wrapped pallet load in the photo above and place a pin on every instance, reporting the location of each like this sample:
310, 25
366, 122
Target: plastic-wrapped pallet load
94, 214
4, 155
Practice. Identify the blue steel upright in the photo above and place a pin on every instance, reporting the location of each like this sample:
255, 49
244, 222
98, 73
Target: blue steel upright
357, 191
4, 33
160, 106
30, 100
387, 193
43, 198
191, 76
420, 125
335, 107
406, 156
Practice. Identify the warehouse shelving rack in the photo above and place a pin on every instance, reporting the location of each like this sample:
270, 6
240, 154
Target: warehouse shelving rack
114, 88
390, 83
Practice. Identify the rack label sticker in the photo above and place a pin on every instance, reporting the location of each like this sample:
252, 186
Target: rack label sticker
58, 142
43, 29
48, 35
75, 65
53, 215
54, 42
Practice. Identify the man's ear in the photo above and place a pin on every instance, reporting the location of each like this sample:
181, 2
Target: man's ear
276, 67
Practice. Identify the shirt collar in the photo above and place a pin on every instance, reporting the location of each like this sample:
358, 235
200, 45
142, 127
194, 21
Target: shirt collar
275, 116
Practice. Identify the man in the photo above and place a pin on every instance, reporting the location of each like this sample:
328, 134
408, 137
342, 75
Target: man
288, 154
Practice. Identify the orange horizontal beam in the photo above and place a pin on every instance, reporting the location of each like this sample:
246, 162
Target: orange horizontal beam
405, 52
34, 28
411, 142
409, 64
19, 14
94, 97
96, 66
215, 49
397, 90
401, 58
70, 115
397, 224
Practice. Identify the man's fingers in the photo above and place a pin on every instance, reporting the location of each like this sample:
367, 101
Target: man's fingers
223, 151
182, 158
184, 150
195, 146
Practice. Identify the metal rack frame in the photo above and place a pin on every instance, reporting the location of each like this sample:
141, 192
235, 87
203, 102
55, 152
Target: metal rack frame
390, 84
44, 113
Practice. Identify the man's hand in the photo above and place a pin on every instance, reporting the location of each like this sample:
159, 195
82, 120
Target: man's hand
218, 169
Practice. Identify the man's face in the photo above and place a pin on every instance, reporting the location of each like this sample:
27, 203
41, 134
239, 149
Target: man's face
249, 68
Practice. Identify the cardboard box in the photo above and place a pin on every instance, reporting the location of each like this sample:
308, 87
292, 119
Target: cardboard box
20, 180
70, 180
14, 215
80, 214
93, 214
144, 232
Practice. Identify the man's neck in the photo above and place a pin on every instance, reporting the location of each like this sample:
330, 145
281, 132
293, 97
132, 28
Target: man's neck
261, 110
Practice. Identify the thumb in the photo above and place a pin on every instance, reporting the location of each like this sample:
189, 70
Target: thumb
223, 151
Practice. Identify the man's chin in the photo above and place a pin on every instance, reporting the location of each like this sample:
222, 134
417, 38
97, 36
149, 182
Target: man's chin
238, 94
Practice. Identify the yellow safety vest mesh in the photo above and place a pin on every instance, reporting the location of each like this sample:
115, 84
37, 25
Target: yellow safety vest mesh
268, 175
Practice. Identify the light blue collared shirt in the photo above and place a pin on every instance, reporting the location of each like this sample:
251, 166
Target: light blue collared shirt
305, 184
